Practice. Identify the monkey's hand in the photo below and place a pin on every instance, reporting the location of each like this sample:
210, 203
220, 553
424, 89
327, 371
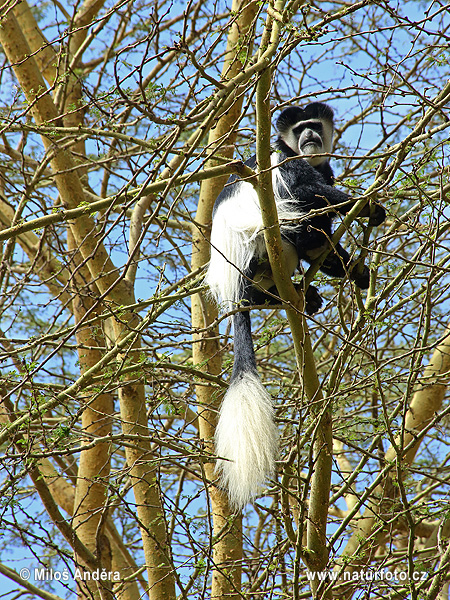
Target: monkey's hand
377, 215
375, 212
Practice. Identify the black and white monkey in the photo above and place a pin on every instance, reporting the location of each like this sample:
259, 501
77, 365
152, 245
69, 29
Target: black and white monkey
239, 274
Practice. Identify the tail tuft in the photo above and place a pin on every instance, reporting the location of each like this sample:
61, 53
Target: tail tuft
246, 437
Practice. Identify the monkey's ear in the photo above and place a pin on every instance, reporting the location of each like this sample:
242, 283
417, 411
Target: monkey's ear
290, 116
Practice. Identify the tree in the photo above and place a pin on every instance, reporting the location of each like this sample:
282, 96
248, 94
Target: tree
120, 124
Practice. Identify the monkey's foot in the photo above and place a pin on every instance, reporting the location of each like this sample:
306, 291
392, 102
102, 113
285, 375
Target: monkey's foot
313, 300
362, 278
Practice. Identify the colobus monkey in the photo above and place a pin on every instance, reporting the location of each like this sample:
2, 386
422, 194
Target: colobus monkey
239, 275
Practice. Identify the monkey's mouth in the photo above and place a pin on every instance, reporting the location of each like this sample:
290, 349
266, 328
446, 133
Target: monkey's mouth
311, 147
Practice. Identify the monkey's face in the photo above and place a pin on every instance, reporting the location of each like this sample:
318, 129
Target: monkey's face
308, 132
313, 137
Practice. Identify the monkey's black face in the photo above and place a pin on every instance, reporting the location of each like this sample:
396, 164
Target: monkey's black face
313, 137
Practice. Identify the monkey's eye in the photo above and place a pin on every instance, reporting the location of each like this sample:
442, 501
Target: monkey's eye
317, 127
312, 125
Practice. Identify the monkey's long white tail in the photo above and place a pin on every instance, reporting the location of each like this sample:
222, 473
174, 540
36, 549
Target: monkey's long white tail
246, 435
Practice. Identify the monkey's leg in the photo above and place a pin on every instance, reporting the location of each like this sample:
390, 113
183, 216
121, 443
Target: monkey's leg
338, 264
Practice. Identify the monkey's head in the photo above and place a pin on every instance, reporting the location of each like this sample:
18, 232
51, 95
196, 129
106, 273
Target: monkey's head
308, 131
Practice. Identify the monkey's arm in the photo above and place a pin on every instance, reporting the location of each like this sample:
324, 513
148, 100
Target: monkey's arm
343, 204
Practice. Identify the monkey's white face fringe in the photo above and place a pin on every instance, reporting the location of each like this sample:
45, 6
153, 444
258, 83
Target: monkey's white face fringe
247, 437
